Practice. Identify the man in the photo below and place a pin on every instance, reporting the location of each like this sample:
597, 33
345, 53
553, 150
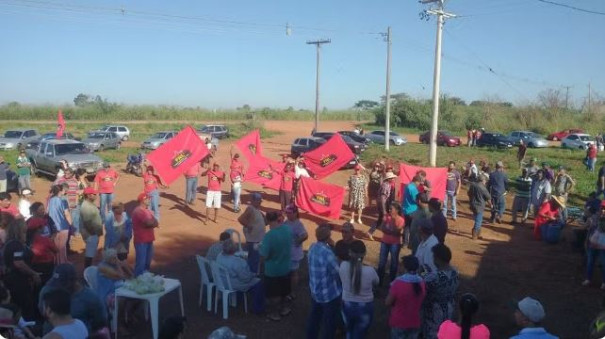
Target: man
213, 196
521, 152
424, 253
23, 171
143, 223
601, 181
57, 310
237, 177
384, 192
478, 196
92, 225
528, 315
498, 187
591, 157
422, 213
253, 221
409, 205
452, 188
151, 181
540, 191
438, 220
105, 183
522, 196
191, 178
215, 249
287, 185
341, 249
532, 168
4, 167
7, 207
549, 174
276, 251
564, 184
324, 283
71, 195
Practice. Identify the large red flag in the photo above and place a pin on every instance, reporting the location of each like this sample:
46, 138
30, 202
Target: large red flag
177, 155
250, 145
437, 176
329, 157
60, 124
320, 198
265, 172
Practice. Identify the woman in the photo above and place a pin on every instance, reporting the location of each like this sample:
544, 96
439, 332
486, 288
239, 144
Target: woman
118, 230
236, 175
81, 176
596, 249
43, 248
358, 280
299, 236
300, 170
358, 190
58, 211
441, 287
39, 218
375, 181
25, 203
63, 165
405, 298
110, 275
469, 305
391, 242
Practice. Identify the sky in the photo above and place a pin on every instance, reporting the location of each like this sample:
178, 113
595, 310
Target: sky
224, 54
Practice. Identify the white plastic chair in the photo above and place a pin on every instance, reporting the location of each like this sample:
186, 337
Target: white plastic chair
90, 275
223, 286
205, 280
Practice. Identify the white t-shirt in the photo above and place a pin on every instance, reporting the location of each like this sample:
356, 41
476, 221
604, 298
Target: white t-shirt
424, 253
75, 330
369, 278
24, 208
301, 172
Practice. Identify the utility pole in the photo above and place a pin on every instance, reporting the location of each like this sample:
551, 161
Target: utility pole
387, 120
441, 16
318, 44
567, 97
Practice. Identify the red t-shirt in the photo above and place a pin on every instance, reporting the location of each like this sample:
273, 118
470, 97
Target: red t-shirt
547, 209
43, 249
287, 181
150, 182
236, 169
214, 180
405, 313
142, 234
393, 226
592, 152
12, 210
193, 171
106, 180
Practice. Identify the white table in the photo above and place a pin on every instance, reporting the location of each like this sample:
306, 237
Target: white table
153, 300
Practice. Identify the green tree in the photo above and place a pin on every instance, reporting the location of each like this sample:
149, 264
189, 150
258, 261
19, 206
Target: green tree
82, 100
365, 105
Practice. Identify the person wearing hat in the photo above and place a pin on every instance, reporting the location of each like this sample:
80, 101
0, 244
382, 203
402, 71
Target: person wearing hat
522, 196
498, 188
92, 225
25, 203
521, 152
478, 196
23, 171
143, 223
424, 251
540, 191
358, 190
549, 213
151, 182
105, 183
563, 185
253, 222
529, 313
405, 298
213, 195
341, 249
468, 306
236, 175
383, 197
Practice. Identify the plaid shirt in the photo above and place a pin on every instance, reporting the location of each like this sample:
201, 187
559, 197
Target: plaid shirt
324, 281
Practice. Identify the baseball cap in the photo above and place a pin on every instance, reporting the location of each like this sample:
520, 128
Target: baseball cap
90, 190
142, 197
63, 274
531, 309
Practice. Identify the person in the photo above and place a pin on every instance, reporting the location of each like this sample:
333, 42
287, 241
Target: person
342, 247
237, 177
424, 251
4, 167
476, 135
7, 207
111, 273
173, 328
478, 196
358, 281
276, 251
286, 185
452, 188
39, 219
71, 194
528, 315
215, 249
548, 214
118, 230
563, 185
253, 222
143, 223
324, 283
105, 183
521, 152
375, 180
469, 137
213, 196
300, 171
25, 203
299, 236
471, 172
358, 190
409, 205
532, 168
425, 184
151, 182
57, 310
549, 174
405, 299
484, 169
498, 188
23, 171
81, 176
92, 225
191, 179
595, 249
522, 196
389, 172
441, 287
390, 243
541, 191
382, 201
438, 220
591, 157
601, 181
58, 211
43, 248
469, 305
421, 215
63, 165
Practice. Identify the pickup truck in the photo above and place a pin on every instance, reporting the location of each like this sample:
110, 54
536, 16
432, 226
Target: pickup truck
46, 157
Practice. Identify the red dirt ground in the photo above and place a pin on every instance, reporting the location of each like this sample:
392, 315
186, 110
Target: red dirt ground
505, 266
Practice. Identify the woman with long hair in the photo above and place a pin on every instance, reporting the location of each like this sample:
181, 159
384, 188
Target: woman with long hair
405, 298
358, 280
358, 190
58, 211
469, 305
390, 244
118, 230
39, 239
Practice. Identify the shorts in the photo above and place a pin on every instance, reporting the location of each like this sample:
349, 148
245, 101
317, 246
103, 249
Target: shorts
92, 243
213, 199
277, 286
294, 265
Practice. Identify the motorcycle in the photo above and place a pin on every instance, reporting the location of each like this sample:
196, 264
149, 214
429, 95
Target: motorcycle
135, 164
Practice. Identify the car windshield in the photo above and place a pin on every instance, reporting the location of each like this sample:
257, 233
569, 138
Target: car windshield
13, 134
70, 149
160, 135
496, 135
584, 137
96, 135
446, 133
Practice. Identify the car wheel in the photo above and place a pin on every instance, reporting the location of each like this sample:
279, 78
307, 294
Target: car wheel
119, 145
555, 139
531, 145
125, 138
582, 147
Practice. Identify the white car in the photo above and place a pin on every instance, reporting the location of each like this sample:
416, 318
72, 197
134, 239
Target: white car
121, 131
577, 141
379, 138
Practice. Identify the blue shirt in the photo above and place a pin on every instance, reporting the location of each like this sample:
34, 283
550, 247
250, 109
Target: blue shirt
409, 204
324, 280
534, 333
56, 211
498, 183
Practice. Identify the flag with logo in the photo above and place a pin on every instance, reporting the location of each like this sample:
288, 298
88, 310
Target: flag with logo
265, 172
60, 124
177, 155
320, 198
437, 177
250, 145
329, 157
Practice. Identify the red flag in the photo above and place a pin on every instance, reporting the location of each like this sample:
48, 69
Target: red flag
60, 125
178, 155
320, 198
329, 157
250, 145
437, 176
265, 172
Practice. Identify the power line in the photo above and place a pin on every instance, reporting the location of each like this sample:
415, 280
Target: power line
572, 7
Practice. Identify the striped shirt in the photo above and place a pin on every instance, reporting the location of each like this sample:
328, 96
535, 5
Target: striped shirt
523, 187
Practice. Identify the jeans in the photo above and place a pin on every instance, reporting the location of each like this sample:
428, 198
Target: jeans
591, 255
253, 256
154, 203
499, 205
24, 182
75, 218
191, 189
106, 200
143, 256
236, 192
358, 318
400, 333
385, 250
478, 217
323, 315
520, 204
590, 164
449, 196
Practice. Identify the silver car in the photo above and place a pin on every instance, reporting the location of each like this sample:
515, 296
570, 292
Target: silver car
121, 131
15, 138
531, 139
577, 141
99, 141
158, 139
394, 138
46, 158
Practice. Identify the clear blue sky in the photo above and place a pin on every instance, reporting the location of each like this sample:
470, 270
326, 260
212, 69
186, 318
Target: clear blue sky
238, 52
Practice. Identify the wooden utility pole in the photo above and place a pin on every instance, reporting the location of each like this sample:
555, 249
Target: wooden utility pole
318, 44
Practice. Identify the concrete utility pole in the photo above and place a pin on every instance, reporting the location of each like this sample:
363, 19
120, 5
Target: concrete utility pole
387, 120
441, 16
318, 44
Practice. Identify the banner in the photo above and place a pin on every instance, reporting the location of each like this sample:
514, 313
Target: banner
177, 155
250, 146
320, 198
60, 124
437, 176
329, 157
265, 172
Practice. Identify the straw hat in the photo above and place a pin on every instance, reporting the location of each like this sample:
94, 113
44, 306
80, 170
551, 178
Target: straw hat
390, 175
559, 201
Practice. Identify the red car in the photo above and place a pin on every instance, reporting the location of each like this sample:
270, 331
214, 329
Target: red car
562, 134
444, 138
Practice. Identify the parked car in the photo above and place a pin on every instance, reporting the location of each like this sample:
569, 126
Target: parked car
302, 145
158, 139
562, 134
577, 140
15, 138
218, 131
50, 136
354, 146
531, 139
490, 139
121, 131
444, 138
356, 136
99, 141
46, 158
394, 138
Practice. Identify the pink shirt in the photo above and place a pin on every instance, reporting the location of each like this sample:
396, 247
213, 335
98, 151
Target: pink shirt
193, 171
106, 180
236, 169
405, 313
395, 226
214, 180
12, 210
449, 329
287, 181
151, 182
141, 233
